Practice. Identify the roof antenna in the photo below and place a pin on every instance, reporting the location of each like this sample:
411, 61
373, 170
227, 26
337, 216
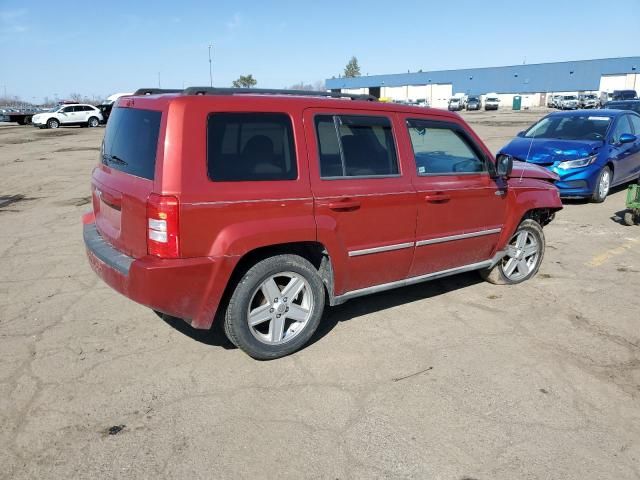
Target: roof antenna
528, 153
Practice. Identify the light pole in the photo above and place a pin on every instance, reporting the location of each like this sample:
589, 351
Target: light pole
210, 67
159, 80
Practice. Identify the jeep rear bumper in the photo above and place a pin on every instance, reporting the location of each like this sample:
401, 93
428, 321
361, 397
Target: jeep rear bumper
188, 288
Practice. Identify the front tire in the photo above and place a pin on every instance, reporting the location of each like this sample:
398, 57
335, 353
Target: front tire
603, 185
276, 307
525, 252
53, 123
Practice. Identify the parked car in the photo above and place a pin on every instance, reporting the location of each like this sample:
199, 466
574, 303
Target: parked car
633, 105
568, 102
491, 103
588, 100
624, 95
590, 151
555, 100
550, 102
420, 102
67, 115
261, 204
605, 97
473, 103
456, 104
105, 110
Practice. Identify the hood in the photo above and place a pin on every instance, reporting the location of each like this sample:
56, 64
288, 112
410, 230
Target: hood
547, 151
527, 170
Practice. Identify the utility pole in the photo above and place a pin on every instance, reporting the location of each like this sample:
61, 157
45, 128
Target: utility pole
210, 67
159, 80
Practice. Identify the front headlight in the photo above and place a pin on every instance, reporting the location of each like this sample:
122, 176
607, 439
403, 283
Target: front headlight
581, 162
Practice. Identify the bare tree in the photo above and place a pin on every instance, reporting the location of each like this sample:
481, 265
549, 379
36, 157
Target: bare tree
317, 86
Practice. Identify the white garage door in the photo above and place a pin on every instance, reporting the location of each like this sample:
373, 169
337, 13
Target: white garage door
609, 83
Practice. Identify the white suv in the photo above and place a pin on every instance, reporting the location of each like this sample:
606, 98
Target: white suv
76, 114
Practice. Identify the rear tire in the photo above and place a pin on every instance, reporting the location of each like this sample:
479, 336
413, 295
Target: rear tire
275, 308
603, 185
525, 252
53, 123
629, 218
93, 122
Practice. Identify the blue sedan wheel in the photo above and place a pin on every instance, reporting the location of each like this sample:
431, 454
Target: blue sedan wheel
603, 185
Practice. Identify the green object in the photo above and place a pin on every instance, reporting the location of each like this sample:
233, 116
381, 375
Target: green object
632, 215
517, 102
633, 196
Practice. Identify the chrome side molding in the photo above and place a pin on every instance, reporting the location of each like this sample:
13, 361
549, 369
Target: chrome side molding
386, 248
462, 236
422, 278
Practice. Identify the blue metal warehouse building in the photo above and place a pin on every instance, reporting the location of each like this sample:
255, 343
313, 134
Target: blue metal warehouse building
533, 81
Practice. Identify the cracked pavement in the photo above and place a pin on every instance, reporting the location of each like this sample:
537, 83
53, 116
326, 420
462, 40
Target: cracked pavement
451, 379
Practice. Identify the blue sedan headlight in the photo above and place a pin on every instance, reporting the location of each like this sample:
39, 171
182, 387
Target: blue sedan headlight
581, 162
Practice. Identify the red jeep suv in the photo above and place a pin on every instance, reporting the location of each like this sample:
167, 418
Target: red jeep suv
267, 205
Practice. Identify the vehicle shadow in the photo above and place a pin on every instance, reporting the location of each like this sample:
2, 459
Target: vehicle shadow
214, 336
392, 298
341, 313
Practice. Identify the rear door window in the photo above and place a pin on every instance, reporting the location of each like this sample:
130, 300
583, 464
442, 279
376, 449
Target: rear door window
356, 146
131, 141
250, 147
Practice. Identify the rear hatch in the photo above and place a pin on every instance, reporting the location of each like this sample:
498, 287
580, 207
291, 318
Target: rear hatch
124, 178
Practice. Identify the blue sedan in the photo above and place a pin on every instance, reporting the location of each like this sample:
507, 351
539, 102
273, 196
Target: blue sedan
591, 151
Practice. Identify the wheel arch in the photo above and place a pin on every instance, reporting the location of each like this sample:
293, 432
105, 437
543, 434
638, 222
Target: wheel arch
314, 252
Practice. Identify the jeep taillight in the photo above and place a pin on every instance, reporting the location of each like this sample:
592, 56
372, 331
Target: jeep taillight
162, 226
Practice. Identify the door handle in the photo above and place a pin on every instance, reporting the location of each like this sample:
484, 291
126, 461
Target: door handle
437, 197
344, 205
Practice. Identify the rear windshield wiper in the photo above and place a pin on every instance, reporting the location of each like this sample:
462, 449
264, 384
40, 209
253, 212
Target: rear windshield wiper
115, 159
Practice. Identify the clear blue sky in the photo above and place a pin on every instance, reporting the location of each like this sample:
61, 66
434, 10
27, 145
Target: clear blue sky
102, 47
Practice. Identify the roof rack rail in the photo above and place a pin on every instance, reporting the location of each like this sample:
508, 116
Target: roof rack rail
270, 91
155, 91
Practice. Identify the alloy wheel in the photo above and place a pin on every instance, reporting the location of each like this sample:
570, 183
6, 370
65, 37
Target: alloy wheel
280, 308
522, 256
605, 184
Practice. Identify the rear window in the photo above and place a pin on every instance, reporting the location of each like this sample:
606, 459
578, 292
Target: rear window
131, 141
250, 147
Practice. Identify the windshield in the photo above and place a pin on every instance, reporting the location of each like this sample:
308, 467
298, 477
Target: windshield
590, 97
570, 127
569, 97
54, 109
492, 99
473, 99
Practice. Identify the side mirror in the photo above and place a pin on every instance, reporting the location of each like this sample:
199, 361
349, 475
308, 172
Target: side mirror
521, 134
504, 165
627, 138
